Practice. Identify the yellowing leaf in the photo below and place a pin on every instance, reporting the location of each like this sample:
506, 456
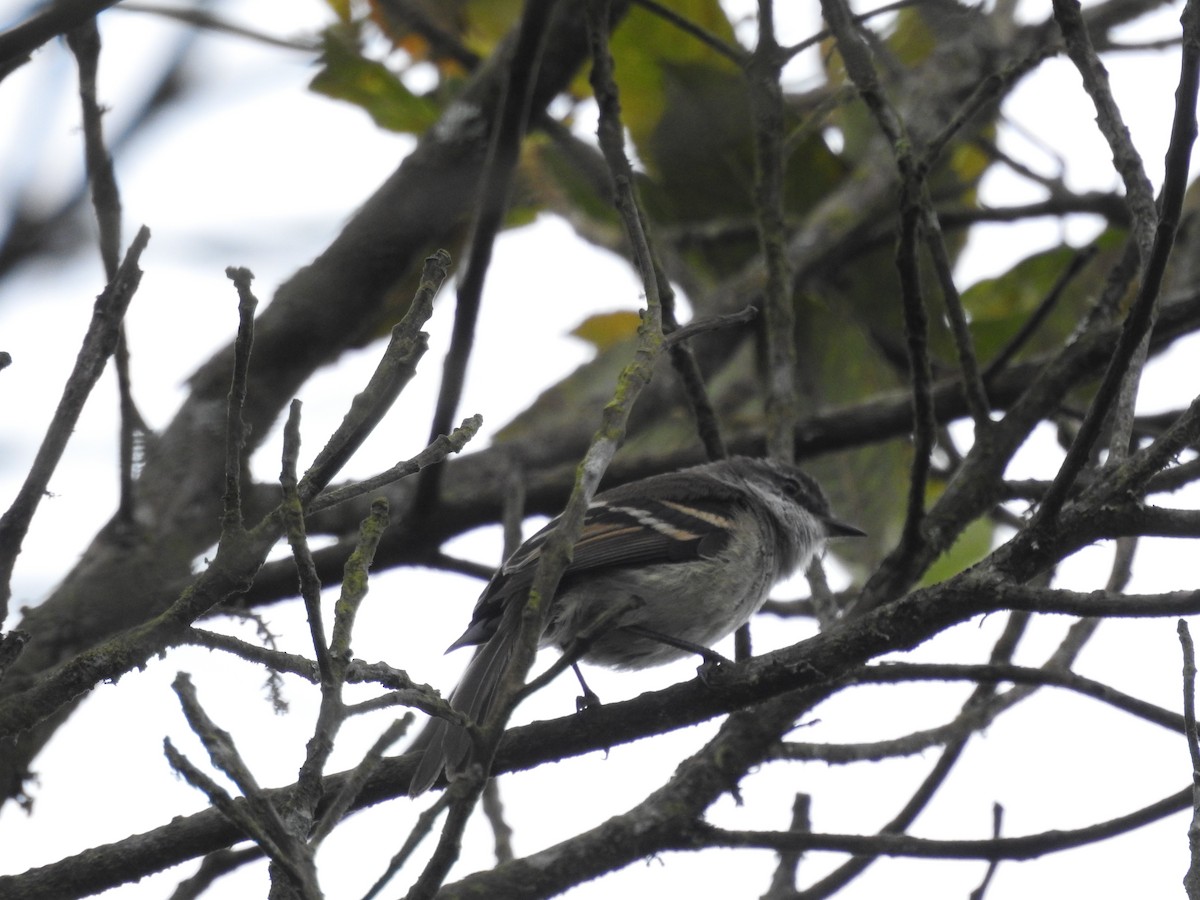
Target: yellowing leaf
605, 329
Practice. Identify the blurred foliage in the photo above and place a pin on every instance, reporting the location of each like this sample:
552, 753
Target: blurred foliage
1000, 306
654, 63
687, 110
972, 545
604, 330
346, 74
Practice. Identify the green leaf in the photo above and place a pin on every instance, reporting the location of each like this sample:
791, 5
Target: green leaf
999, 306
656, 65
341, 8
348, 75
972, 545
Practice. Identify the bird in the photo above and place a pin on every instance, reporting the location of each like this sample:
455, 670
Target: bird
690, 555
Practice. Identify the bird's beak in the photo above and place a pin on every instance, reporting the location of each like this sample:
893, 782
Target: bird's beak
834, 528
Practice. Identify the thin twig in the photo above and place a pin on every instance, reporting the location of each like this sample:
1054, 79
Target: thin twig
508, 130
821, 599
732, 52
84, 42
224, 753
1189, 694
97, 346
859, 63
825, 33
239, 556
433, 454
1029, 846
783, 879
302, 558
1035, 319
1133, 475
1141, 317
276, 660
513, 514
396, 368
512, 122
683, 360
1139, 193
258, 814
973, 386
214, 866
221, 800
556, 552
423, 827
206, 20
19, 41
951, 753
763, 72
332, 712
997, 824
493, 811
337, 807
1104, 204
235, 427
1191, 879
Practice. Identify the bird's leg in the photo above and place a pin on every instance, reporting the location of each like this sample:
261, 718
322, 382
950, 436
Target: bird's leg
712, 659
589, 698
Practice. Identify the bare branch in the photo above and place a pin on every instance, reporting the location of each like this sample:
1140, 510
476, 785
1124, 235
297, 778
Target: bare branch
1144, 312
98, 345
1024, 847
1191, 880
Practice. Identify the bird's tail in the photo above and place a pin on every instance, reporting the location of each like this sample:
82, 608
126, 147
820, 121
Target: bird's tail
445, 746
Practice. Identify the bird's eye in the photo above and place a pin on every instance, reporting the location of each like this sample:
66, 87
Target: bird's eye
791, 486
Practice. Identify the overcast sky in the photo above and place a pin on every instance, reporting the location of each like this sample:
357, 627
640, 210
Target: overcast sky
256, 171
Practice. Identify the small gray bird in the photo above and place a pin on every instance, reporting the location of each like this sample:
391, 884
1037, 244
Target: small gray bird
691, 555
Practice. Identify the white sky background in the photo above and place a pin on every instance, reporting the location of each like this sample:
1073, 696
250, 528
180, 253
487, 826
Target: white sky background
256, 171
